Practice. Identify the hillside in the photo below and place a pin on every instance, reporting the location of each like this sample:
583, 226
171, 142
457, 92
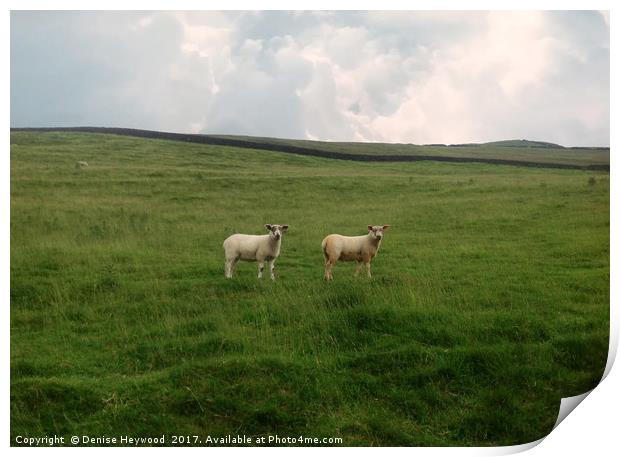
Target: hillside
511, 152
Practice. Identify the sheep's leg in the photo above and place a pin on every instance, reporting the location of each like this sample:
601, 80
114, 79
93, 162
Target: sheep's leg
228, 268
329, 264
358, 267
272, 266
368, 269
261, 267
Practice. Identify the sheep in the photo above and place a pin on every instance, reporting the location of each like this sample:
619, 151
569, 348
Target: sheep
254, 247
80, 164
359, 248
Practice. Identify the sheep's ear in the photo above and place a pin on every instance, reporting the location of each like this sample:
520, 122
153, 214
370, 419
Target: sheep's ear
385, 227
268, 227
370, 228
284, 228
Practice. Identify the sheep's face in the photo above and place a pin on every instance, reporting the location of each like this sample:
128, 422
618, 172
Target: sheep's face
376, 231
276, 231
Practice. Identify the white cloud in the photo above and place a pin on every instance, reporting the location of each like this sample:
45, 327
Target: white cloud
466, 81
378, 76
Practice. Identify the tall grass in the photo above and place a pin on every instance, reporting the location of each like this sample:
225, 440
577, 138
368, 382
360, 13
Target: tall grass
489, 301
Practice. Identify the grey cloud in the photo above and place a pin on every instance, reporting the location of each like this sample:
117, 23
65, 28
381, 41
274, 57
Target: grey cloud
75, 68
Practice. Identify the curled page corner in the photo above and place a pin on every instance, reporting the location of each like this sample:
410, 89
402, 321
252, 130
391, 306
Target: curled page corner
567, 405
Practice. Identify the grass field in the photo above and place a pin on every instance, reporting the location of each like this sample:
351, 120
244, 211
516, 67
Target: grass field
489, 301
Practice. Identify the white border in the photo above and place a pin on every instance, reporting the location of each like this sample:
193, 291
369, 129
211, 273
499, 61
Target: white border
436, 5
591, 428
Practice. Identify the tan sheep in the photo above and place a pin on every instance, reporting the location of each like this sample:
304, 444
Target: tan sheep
361, 249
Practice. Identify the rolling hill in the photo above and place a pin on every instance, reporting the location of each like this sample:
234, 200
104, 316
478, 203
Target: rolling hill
502, 154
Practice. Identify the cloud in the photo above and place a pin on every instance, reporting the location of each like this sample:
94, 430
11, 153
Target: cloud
419, 77
471, 82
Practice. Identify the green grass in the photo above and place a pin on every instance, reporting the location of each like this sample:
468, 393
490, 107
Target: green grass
489, 301
527, 151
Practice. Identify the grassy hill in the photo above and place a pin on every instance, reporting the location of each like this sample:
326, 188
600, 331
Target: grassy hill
523, 144
489, 301
517, 150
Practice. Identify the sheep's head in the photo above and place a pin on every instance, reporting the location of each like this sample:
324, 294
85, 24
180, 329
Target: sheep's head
376, 231
276, 231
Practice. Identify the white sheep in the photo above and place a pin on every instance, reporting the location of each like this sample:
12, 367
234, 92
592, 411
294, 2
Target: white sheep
359, 248
80, 164
254, 247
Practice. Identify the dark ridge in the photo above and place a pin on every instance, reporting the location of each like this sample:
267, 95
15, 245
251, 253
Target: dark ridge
202, 139
593, 148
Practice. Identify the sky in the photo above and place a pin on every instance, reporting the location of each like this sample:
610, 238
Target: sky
400, 77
